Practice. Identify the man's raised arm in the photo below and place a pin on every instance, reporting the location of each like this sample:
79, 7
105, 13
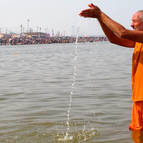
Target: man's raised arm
108, 26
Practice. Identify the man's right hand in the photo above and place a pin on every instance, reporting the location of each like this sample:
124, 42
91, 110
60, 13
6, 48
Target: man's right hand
92, 12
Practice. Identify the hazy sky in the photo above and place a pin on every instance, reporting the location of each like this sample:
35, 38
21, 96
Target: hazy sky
62, 15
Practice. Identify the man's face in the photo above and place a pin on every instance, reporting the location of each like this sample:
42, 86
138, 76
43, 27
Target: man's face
137, 23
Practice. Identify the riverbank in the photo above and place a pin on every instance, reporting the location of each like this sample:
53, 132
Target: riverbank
41, 38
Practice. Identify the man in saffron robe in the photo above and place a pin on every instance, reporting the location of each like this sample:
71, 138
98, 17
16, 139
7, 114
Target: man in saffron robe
117, 34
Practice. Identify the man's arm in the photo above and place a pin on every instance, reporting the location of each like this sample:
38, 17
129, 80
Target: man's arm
120, 31
114, 39
115, 32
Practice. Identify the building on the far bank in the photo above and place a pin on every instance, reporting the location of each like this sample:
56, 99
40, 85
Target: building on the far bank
36, 35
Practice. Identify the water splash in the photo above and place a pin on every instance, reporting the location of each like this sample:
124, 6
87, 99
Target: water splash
78, 136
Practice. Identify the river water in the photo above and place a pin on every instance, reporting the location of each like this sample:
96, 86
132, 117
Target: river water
35, 86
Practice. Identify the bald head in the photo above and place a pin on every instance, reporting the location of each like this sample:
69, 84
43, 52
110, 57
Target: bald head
140, 14
137, 21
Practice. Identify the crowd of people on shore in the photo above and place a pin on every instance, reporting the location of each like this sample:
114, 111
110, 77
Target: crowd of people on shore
29, 39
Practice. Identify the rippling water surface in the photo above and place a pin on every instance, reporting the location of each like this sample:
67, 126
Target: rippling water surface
35, 86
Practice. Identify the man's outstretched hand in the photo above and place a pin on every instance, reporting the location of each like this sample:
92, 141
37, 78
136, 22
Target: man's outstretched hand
92, 12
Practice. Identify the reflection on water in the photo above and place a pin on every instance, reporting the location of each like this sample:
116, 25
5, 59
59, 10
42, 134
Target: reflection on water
35, 84
137, 136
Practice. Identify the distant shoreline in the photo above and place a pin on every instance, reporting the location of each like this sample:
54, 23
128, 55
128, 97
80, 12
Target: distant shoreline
42, 38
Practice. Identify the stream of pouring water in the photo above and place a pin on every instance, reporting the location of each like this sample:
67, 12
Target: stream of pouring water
67, 136
92, 132
84, 134
74, 77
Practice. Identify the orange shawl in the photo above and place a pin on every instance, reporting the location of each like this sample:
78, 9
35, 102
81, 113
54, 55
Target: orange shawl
137, 72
